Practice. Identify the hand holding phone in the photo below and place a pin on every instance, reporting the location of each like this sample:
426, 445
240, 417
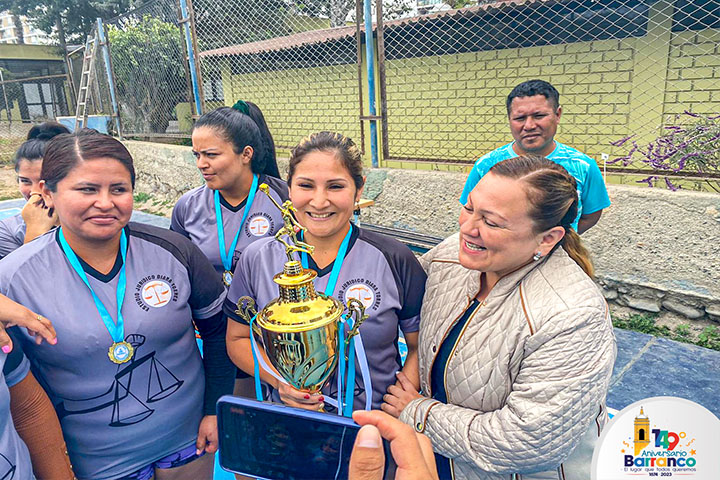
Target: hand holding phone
276, 442
411, 451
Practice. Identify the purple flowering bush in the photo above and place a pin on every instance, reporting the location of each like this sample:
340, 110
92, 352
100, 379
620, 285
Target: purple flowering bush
690, 147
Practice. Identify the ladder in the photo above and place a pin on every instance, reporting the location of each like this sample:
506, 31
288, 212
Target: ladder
87, 77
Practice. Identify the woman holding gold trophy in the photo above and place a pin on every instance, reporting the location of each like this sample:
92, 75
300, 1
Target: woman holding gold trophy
325, 180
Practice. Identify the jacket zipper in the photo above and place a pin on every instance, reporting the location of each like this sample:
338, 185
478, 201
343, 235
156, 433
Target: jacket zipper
434, 357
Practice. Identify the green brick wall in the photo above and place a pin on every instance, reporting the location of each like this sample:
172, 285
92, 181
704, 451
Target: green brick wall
693, 81
300, 101
451, 107
454, 106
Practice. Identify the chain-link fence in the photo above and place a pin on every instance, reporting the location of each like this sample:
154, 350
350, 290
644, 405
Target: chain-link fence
639, 79
624, 68
286, 56
151, 77
27, 98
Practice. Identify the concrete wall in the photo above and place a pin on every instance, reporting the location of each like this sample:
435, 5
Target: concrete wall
653, 249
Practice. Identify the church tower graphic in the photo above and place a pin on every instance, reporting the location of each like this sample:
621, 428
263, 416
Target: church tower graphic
642, 432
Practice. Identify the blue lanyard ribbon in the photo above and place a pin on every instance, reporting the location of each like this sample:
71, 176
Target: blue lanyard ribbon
337, 265
346, 369
116, 330
227, 257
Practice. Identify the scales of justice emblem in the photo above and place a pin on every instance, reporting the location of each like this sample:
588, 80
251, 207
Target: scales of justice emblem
128, 400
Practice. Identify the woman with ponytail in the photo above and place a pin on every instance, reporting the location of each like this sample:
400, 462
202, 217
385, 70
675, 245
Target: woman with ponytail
234, 153
35, 218
516, 344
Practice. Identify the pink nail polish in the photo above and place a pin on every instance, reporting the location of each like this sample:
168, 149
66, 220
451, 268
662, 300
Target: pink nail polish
6, 348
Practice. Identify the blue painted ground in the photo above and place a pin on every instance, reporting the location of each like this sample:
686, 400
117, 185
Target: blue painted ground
646, 366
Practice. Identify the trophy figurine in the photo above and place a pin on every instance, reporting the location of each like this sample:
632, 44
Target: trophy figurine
300, 329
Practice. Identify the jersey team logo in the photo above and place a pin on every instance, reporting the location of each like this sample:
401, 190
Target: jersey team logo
155, 291
259, 224
363, 290
659, 437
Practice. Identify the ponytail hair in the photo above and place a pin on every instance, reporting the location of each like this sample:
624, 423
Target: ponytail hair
37, 139
235, 125
552, 193
268, 144
576, 250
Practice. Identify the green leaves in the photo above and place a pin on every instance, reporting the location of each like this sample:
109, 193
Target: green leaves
147, 55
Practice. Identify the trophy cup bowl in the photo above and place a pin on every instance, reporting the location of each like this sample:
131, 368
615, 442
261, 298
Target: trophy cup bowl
300, 330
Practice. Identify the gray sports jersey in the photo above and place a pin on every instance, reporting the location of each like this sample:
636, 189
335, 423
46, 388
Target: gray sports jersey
119, 418
14, 457
12, 235
194, 217
379, 271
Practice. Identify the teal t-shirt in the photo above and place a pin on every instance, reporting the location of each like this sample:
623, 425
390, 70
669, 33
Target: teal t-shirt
592, 194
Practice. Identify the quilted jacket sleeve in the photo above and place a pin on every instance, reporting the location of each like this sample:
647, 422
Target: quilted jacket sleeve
563, 379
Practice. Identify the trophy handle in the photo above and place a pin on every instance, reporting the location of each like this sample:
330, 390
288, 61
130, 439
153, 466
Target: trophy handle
246, 309
357, 309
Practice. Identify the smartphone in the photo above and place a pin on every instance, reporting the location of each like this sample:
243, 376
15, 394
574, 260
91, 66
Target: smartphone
270, 441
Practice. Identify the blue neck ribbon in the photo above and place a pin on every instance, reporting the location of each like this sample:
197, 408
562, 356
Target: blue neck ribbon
337, 265
228, 256
346, 369
116, 329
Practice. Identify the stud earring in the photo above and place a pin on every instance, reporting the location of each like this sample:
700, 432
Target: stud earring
537, 256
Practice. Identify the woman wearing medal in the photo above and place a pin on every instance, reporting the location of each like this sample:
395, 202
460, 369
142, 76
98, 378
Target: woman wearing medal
226, 215
326, 180
134, 397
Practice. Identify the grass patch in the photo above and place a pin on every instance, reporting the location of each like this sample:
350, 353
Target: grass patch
647, 323
710, 338
142, 197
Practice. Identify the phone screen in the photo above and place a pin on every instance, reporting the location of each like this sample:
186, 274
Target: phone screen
265, 441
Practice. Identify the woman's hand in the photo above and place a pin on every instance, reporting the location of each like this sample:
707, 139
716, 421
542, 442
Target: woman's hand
6, 344
38, 217
12, 313
207, 439
399, 395
296, 398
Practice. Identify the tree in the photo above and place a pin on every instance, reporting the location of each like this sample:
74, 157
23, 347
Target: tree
392, 9
147, 57
232, 22
70, 20
19, 33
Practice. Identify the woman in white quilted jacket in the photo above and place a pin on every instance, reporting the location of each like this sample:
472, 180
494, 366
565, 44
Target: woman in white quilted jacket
516, 344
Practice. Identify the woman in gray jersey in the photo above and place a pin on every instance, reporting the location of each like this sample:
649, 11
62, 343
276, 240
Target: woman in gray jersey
235, 154
326, 179
226, 214
134, 397
35, 218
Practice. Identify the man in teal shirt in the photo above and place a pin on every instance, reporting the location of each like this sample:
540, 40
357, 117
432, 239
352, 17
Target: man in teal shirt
534, 113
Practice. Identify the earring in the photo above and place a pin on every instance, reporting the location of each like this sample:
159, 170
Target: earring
537, 256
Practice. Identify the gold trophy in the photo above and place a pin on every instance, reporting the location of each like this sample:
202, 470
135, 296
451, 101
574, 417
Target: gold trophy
300, 328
